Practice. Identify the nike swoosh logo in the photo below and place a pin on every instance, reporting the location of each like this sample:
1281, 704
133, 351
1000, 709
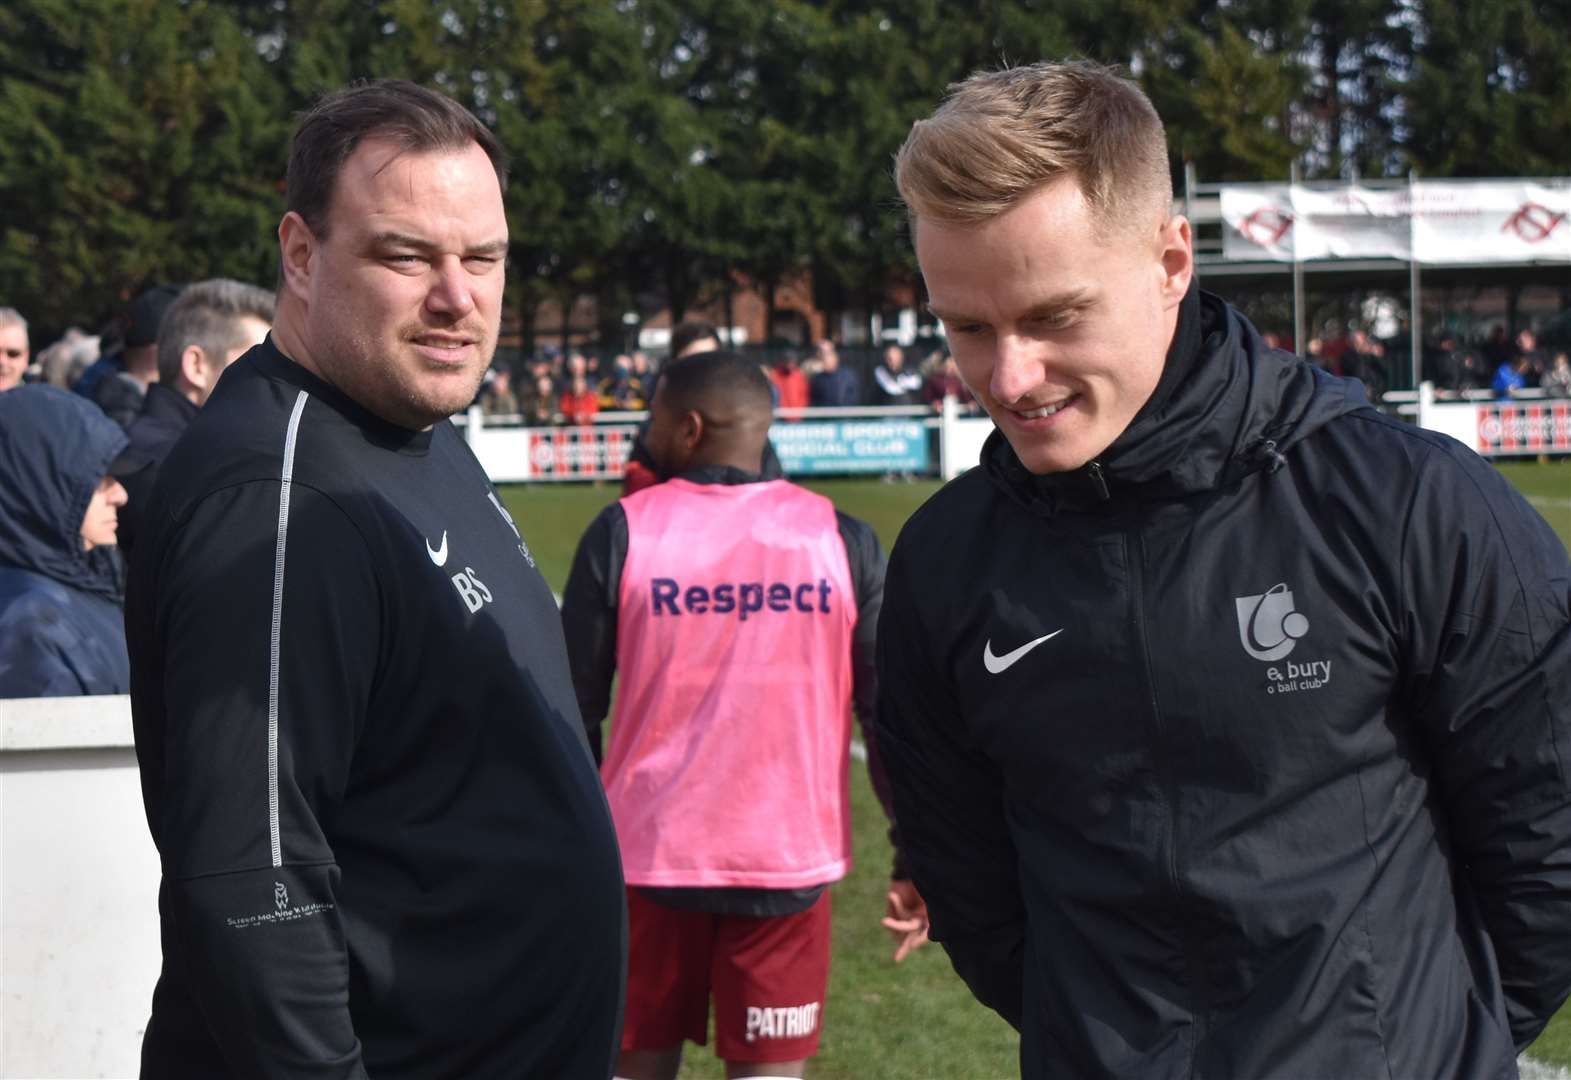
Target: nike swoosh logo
438, 555
997, 665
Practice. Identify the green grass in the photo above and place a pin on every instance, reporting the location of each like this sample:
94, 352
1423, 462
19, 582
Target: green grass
916, 1020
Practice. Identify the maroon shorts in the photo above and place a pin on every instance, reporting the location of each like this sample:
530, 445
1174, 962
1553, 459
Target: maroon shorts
768, 976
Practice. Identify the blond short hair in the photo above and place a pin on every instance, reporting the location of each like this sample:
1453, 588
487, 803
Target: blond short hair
1000, 136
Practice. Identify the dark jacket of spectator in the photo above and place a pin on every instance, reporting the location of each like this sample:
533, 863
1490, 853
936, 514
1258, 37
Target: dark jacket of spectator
61, 627
837, 387
164, 417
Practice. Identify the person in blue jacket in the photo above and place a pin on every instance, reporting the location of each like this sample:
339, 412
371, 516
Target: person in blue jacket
61, 627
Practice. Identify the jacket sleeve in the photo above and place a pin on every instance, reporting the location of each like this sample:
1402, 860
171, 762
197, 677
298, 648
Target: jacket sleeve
589, 616
1488, 662
269, 641
36, 656
866, 558
949, 798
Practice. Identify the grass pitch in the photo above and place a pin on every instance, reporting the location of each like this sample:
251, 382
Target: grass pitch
915, 1021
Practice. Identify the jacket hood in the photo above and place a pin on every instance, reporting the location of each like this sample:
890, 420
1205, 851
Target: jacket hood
54, 449
1226, 405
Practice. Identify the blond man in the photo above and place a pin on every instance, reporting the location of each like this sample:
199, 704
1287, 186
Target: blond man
1227, 718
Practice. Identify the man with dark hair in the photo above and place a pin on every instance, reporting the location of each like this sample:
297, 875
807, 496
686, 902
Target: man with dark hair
385, 848
119, 385
204, 331
739, 614
691, 338
832, 386
1227, 718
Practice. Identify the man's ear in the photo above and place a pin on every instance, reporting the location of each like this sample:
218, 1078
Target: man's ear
1176, 250
692, 429
195, 368
297, 253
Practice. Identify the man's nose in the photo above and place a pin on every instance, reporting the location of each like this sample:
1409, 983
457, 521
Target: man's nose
1017, 369
450, 291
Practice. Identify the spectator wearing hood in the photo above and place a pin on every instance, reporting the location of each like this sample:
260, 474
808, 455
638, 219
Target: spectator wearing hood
61, 628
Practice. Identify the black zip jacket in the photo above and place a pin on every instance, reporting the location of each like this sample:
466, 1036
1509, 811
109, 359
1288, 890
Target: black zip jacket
165, 415
1241, 752
385, 848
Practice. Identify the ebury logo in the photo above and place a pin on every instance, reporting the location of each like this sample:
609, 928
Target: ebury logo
1268, 626
1533, 223
283, 912
1266, 226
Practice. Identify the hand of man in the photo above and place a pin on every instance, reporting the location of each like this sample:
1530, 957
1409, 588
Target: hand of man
906, 918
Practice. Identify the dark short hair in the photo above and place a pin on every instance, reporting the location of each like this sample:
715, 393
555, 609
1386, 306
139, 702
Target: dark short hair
710, 379
208, 315
684, 334
418, 120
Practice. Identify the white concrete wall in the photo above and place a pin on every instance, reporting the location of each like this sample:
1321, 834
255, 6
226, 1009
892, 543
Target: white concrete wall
79, 950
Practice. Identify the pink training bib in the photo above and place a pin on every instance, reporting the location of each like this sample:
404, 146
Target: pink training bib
728, 757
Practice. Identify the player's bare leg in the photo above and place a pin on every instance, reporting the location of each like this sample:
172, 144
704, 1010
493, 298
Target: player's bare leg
747, 1070
651, 1064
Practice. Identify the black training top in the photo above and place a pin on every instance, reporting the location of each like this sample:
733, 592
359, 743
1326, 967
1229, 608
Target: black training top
385, 847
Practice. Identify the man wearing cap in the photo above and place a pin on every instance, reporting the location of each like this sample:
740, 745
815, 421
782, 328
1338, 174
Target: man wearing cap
120, 393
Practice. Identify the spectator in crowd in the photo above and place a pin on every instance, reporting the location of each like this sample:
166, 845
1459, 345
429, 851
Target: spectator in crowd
1511, 377
945, 382
62, 363
209, 326
833, 385
619, 390
791, 383
385, 848
693, 337
643, 375
497, 397
1457, 366
579, 402
121, 393
14, 349
745, 692
540, 403
1536, 361
1557, 380
896, 384
61, 627
1497, 347
1226, 716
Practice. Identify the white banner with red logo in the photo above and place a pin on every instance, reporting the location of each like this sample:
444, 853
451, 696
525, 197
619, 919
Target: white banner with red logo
1432, 221
1505, 428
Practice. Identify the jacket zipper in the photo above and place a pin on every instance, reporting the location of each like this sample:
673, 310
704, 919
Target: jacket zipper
1169, 779
1094, 471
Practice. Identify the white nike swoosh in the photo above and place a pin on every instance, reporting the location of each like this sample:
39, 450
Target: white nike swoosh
438, 555
997, 665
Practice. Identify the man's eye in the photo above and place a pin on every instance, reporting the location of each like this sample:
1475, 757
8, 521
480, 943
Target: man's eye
401, 260
482, 262
966, 328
